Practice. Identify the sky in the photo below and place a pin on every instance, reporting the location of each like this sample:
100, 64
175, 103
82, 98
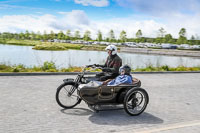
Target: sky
129, 15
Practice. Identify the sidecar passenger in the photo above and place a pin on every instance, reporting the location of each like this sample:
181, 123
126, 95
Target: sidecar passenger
124, 77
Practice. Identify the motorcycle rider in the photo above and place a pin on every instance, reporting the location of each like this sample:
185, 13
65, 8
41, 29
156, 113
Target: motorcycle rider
111, 67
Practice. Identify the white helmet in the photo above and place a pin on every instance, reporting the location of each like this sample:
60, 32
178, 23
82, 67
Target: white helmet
112, 48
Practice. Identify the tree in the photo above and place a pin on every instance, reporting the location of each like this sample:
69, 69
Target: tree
192, 40
107, 39
32, 36
22, 35
138, 34
77, 35
52, 35
38, 36
45, 36
122, 36
99, 36
68, 35
168, 38
182, 40
182, 36
182, 32
16, 36
7, 35
158, 40
161, 32
87, 35
192, 37
61, 35
111, 36
27, 34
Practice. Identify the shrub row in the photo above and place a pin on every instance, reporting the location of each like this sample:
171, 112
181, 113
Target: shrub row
51, 67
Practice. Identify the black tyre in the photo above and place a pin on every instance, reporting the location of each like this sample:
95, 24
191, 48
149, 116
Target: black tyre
66, 95
135, 101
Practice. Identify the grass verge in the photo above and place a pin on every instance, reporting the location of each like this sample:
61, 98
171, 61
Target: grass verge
54, 46
50, 67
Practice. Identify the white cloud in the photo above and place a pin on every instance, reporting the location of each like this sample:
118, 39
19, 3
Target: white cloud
77, 17
18, 23
97, 3
160, 7
69, 20
78, 20
189, 22
130, 25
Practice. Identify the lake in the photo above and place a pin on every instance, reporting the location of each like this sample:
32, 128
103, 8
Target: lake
12, 54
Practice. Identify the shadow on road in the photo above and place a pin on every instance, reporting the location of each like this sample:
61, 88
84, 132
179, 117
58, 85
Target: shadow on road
77, 111
114, 117
119, 117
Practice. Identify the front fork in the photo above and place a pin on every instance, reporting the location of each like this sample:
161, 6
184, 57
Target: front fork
75, 86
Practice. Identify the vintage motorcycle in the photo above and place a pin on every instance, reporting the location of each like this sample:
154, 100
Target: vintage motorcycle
133, 98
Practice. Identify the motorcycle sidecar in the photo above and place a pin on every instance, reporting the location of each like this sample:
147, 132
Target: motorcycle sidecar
133, 98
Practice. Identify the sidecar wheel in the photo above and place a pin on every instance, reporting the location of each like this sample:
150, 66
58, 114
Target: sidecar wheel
135, 101
64, 98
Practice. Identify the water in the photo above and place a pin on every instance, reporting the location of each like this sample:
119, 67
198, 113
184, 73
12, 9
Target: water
14, 55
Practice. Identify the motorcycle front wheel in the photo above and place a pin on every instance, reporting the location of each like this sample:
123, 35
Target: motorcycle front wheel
66, 95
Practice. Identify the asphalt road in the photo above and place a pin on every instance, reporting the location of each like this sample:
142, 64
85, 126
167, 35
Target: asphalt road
27, 104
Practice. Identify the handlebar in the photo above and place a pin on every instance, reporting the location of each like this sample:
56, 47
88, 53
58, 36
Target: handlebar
95, 66
89, 66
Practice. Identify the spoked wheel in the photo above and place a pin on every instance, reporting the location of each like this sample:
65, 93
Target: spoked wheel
135, 101
66, 95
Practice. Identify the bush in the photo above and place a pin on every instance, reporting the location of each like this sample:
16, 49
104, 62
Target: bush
165, 68
150, 68
51, 67
36, 69
5, 68
48, 65
19, 68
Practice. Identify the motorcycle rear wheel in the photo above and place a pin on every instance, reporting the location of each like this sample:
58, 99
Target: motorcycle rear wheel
135, 101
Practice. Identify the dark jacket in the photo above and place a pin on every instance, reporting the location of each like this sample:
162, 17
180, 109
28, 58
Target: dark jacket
114, 62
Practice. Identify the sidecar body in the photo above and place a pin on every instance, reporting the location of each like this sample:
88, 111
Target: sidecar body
104, 94
133, 98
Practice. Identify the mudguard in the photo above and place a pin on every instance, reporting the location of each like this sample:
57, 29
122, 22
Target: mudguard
68, 80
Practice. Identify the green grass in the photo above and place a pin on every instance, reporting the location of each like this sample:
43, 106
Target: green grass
50, 67
150, 68
57, 46
21, 42
39, 45
94, 47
